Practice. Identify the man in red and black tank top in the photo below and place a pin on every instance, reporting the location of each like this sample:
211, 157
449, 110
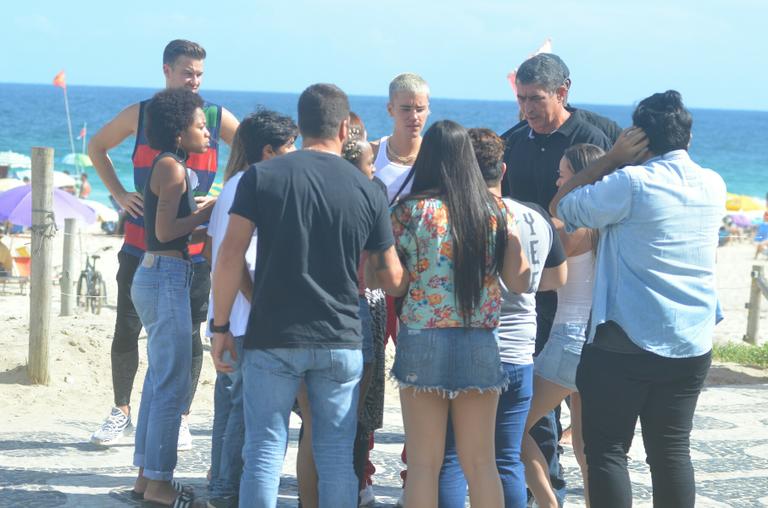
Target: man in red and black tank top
182, 67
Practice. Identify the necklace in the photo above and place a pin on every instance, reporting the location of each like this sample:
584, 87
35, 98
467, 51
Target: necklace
394, 157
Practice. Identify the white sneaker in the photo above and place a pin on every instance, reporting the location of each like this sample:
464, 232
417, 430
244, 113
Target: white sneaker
185, 437
114, 427
366, 496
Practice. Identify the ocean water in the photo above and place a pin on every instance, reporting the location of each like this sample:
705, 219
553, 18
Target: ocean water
733, 143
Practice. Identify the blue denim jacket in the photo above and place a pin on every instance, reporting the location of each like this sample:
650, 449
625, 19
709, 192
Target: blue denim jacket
655, 272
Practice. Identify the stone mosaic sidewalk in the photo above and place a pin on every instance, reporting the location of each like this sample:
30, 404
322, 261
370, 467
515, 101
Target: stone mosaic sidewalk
47, 469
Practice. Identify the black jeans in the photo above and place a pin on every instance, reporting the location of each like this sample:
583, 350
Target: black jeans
125, 344
616, 389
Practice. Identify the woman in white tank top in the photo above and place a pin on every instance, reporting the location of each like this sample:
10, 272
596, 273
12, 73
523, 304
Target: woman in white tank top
555, 367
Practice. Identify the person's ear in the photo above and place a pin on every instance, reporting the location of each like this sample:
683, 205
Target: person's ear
267, 152
503, 169
562, 94
344, 130
390, 109
166, 70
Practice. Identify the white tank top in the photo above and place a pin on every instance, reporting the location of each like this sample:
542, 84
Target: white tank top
574, 299
392, 174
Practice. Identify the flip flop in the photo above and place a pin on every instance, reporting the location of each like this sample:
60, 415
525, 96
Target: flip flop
177, 486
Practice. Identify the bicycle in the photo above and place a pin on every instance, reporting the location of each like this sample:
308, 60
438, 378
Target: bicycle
91, 288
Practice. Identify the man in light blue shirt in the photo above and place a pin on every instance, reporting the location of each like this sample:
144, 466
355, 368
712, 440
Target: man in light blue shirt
654, 300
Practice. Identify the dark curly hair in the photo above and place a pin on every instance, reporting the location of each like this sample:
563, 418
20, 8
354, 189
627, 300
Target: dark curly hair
169, 113
489, 152
665, 121
256, 131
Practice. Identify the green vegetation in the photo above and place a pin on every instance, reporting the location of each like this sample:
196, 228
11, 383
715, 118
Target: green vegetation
743, 354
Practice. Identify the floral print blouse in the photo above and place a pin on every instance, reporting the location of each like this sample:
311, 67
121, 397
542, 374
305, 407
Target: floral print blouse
423, 240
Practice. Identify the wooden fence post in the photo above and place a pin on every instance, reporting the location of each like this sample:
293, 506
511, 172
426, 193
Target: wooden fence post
755, 296
43, 231
69, 275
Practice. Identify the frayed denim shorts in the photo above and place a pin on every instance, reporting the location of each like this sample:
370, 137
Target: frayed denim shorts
448, 360
560, 356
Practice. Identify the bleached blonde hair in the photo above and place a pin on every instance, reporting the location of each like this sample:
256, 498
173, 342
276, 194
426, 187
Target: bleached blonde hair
408, 82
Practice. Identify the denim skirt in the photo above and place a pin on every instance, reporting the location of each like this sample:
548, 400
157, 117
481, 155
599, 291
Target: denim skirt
558, 360
448, 361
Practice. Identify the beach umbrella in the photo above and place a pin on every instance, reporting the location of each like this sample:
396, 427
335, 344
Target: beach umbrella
741, 220
60, 179
16, 207
77, 159
9, 183
15, 160
742, 203
104, 213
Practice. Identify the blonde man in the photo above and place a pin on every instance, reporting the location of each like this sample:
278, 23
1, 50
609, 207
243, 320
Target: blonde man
395, 154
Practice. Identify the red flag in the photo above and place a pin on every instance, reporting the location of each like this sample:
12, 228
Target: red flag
82, 133
60, 80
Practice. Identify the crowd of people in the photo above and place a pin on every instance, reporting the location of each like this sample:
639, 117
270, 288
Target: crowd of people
563, 260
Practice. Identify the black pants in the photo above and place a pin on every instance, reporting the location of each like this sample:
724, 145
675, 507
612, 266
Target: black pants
125, 344
616, 389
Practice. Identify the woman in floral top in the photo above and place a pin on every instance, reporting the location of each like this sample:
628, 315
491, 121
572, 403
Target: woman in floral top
456, 240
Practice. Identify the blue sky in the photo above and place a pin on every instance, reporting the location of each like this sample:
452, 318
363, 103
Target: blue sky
713, 52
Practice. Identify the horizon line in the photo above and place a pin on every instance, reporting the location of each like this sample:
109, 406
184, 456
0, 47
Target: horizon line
474, 99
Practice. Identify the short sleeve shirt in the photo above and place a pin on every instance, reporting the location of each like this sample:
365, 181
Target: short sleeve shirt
423, 238
315, 213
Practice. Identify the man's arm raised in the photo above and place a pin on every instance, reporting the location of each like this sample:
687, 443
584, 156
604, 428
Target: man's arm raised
631, 147
108, 137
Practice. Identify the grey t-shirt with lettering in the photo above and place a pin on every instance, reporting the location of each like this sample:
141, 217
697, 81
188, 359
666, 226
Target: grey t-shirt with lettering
543, 249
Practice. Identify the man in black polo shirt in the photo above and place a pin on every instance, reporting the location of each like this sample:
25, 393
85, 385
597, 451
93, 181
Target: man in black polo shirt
315, 213
533, 153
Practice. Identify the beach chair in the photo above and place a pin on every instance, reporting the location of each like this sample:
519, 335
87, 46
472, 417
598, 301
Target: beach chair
19, 275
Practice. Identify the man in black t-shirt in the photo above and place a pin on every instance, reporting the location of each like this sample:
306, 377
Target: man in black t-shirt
532, 156
315, 213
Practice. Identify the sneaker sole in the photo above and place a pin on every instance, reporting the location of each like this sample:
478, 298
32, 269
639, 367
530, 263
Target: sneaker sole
126, 432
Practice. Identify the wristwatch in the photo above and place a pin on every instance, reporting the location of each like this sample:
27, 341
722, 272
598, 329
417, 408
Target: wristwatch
218, 329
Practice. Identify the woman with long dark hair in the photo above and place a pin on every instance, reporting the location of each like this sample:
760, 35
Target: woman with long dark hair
456, 240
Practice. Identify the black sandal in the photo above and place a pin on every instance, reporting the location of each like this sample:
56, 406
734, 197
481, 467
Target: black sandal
184, 500
177, 486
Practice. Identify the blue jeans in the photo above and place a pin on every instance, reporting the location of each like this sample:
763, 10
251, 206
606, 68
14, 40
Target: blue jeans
271, 380
160, 293
510, 425
228, 428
